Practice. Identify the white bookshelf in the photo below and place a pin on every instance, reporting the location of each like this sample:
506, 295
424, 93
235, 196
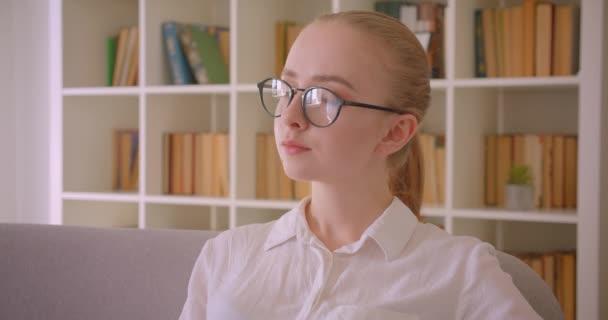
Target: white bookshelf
464, 108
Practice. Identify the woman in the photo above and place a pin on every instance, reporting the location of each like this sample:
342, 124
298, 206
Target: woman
347, 107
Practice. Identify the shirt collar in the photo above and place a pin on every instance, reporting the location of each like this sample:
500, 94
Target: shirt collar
391, 230
286, 226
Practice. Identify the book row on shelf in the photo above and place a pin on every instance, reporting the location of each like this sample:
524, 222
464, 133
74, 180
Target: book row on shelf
271, 180
426, 20
558, 269
533, 39
196, 53
286, 33
551, 160
125, 167
433, 153
122, 58
196, 163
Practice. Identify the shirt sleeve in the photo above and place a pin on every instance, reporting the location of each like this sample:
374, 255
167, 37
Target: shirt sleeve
195, 307
489, 292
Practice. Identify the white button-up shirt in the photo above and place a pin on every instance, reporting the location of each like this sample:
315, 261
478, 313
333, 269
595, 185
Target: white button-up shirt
398, 269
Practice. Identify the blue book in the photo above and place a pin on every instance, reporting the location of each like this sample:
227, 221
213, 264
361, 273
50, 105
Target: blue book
178, 65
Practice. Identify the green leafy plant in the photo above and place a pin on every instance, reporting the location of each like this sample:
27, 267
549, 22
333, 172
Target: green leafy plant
519, 174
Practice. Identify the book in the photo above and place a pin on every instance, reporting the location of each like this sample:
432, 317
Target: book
549, 270
208, 169
570, 171
111, 44
517, 41
176, 60
133, 65
547, 162
490, 170
499, 14
121, 51
177, 162
166, 189
188, 163
566, 40
205, 52
529, 41
129, 52
480, 60
544, 39
489, 41
503, 165
558, 187
221, 150
534, 159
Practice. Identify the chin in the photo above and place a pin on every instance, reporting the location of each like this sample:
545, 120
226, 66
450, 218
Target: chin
299, 173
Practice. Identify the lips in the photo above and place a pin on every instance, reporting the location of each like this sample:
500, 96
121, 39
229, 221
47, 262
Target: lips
292, 147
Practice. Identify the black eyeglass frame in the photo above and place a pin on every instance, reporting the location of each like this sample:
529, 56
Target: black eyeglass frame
343, 102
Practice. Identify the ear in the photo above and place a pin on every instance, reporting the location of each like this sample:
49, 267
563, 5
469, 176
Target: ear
400, 131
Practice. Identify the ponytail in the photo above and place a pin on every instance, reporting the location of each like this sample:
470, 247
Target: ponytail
406, 180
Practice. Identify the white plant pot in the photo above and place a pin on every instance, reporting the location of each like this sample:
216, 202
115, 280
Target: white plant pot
519, 196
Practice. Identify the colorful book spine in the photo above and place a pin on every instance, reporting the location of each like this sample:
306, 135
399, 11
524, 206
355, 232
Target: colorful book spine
178, 65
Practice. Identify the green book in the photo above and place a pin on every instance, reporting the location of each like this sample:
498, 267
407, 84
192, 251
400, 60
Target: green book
210, 56
111, 44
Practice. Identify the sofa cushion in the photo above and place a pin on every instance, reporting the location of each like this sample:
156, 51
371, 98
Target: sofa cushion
68, 272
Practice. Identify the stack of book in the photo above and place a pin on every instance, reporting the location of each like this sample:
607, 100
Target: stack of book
271, 180
122, 57
426, 20
533, 39
125, 165
196, 163
552, 160
433, 153
286, 33
558, 269
196, 53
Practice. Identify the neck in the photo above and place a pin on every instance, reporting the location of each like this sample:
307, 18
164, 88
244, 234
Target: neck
338, 214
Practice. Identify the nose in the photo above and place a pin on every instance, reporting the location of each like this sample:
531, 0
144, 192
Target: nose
293, 116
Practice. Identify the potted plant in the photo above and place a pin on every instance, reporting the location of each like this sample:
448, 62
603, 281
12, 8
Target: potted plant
519, 191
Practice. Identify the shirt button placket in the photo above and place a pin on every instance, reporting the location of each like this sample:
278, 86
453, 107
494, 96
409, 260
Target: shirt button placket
321, 280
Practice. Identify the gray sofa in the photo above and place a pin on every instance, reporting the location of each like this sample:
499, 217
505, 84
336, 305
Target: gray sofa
68, 272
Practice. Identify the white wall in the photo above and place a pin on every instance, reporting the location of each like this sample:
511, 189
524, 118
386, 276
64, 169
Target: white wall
24, 125
604, 181
33, 105
8, 117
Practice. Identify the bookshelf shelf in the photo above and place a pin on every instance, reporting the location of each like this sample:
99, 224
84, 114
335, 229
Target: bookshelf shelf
548, 82
464, 109
436, 212
439, 84
101, 91
266, 204
552, 216
186, 89
187, 200
247, 88
101, 196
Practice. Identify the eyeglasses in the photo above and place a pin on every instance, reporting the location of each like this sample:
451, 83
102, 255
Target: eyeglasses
320, 106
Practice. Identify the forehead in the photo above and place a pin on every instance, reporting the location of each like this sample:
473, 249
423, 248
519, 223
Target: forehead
334, 48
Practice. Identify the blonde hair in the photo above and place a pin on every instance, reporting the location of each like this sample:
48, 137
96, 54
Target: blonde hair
410, 85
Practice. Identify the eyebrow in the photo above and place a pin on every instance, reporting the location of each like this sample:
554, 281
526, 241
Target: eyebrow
321, 78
